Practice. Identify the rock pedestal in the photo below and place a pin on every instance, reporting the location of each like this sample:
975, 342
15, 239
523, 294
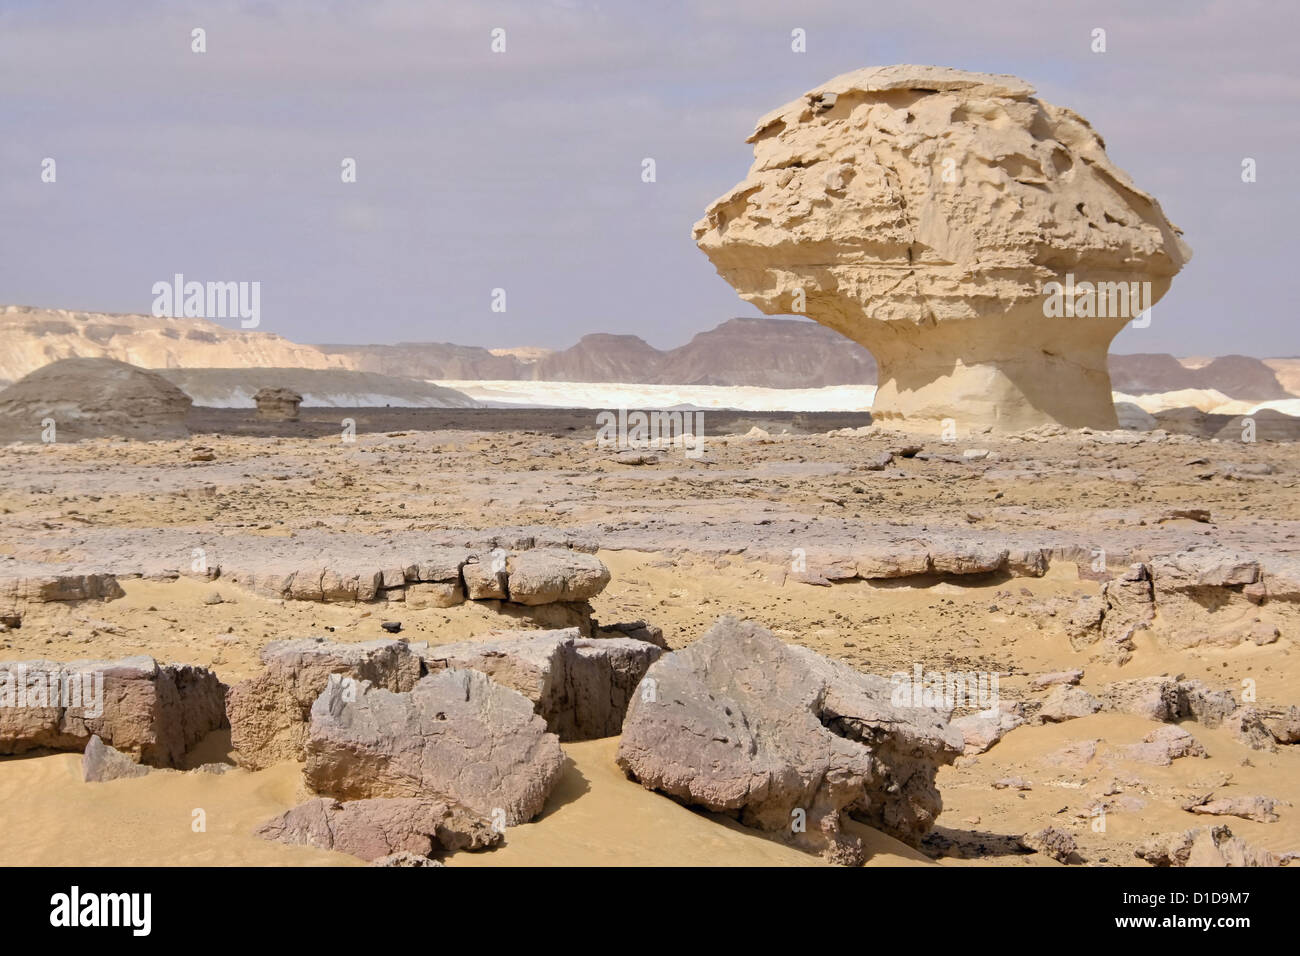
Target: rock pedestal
975, 238
277, 404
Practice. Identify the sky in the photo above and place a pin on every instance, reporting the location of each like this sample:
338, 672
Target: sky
521, 170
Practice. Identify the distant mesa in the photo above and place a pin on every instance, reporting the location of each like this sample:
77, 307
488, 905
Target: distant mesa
428, 360
924, 213
765, 353
1236, 376
92, 398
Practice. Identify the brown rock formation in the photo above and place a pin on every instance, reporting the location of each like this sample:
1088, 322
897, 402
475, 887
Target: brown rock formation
277, 404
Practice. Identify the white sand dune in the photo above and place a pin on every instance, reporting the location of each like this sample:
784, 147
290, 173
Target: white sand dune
1207, 400
835, 398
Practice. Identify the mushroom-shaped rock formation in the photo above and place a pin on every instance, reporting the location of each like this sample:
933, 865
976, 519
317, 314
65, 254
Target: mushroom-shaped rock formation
77, 398
277, 404
975, 238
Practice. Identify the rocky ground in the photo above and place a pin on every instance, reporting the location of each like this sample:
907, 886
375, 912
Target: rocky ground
1003, 555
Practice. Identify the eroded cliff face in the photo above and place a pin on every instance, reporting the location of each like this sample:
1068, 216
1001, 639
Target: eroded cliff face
34, 337
925, 213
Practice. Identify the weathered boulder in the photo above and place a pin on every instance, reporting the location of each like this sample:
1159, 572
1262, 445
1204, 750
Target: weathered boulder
372, 829
581, 687
1210, 567
1053, 842
785, 740
1204, 704
456, 736
154, 713
946, 220
269, 713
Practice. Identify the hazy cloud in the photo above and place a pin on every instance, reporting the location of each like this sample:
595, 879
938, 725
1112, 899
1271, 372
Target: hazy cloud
522, 170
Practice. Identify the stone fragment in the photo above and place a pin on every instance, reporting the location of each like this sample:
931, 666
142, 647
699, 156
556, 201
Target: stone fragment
1285, 727
100, 762
434, 594
1059, 677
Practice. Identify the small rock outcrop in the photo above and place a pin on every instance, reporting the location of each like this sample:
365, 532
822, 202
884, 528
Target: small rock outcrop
277, 404
786, 740
926, 213
455, 736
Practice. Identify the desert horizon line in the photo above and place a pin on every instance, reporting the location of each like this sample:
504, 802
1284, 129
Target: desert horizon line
16, 307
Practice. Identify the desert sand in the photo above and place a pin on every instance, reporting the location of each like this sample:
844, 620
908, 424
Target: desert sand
686, 540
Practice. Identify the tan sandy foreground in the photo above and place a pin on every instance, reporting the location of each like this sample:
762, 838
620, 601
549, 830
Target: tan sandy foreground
686, 541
